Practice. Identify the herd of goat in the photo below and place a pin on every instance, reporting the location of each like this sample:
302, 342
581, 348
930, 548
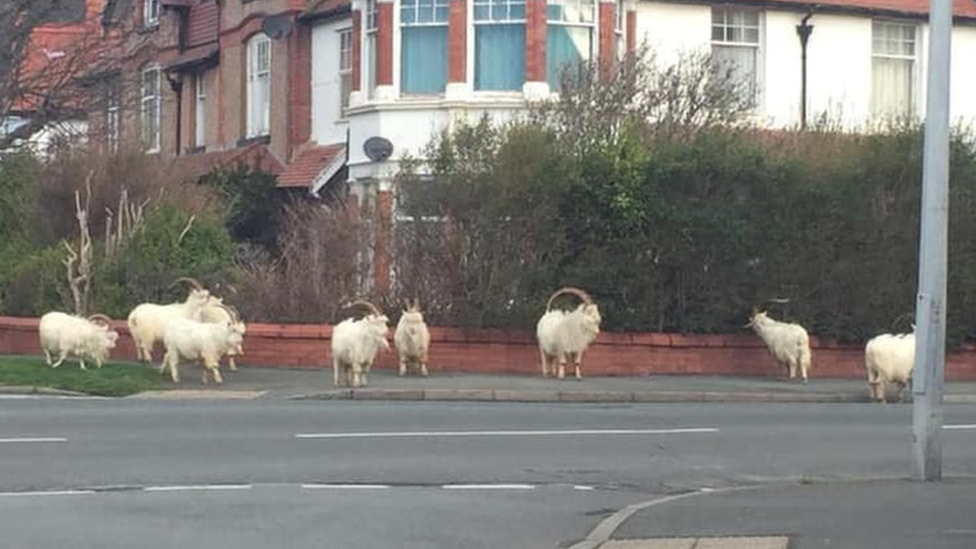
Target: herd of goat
204, 329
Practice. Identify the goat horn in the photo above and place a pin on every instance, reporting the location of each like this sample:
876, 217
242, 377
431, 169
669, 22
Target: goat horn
231, 311
363, 303
569, 290
192, 281
100, 316
416, 303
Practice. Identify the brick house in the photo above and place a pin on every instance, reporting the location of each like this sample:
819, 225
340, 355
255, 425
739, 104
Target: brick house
308, 86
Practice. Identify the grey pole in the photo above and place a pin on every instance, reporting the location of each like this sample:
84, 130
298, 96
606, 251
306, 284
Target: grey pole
929, 376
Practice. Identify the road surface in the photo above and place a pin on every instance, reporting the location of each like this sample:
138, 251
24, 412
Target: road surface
263, 473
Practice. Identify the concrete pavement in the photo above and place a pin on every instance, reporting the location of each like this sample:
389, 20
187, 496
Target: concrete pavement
895, 514
283, 383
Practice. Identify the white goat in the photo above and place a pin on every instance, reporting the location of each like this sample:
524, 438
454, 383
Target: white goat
205, 342
889, 358
565, 335
412, 338
216, 311
787, 342
65, 335
355, 344
147, 322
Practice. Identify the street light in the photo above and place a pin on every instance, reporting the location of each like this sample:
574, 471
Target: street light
929, 376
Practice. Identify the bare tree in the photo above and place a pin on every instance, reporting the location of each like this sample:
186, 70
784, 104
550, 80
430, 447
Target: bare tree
691, 92
42, 71
79, 277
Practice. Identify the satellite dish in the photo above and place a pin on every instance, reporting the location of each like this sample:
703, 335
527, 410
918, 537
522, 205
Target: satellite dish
378, 148
276, 26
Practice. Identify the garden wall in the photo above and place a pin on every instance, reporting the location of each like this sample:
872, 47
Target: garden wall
514, 352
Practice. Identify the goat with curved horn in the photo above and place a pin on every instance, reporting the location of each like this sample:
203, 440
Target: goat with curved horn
565, 335
355, 344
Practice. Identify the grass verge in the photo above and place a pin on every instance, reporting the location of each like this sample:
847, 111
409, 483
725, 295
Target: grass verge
113, 379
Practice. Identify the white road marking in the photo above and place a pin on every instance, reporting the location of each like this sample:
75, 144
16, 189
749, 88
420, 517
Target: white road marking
582, 488
199, 487
345, 486
49, 493
34, 439
576, 432
959, 427
488, 487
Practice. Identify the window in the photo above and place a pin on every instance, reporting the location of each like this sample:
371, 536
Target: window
150, 13
150, 108
370, 47
112, 117
423, 47
892, 69
258, 86
569, 36
200, 111
499, 44
345, 69
735, 45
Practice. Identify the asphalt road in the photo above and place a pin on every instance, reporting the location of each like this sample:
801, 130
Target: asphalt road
261, 473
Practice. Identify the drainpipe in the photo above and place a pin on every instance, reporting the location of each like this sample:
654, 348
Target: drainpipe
803, 30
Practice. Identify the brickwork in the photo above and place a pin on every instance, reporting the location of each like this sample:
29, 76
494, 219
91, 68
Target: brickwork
300, 88
631, 32
457, 41
514, 352
608, 37
383, 247
357, 53
535, 40
384, 44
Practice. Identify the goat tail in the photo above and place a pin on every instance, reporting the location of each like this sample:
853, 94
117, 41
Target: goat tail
805, 358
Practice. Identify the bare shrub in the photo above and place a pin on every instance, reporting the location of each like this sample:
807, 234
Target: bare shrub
317, 271
142, 176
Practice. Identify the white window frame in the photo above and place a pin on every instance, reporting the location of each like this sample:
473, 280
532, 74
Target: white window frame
912, 108
345, 69
151, 101
619, 26
200, 110
112, 117
150, 13
508, 19
255, 76
417, 9
583, 20
725, 42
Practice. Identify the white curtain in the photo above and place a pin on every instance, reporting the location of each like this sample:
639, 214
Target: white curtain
891, 87
742, 59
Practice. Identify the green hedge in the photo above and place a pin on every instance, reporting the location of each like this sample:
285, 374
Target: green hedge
682, 233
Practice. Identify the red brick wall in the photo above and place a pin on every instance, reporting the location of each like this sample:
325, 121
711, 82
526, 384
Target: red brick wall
631, 30
383, 246
300, 87
384, 44
608, 37
457, 41
535, 40
514, 352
